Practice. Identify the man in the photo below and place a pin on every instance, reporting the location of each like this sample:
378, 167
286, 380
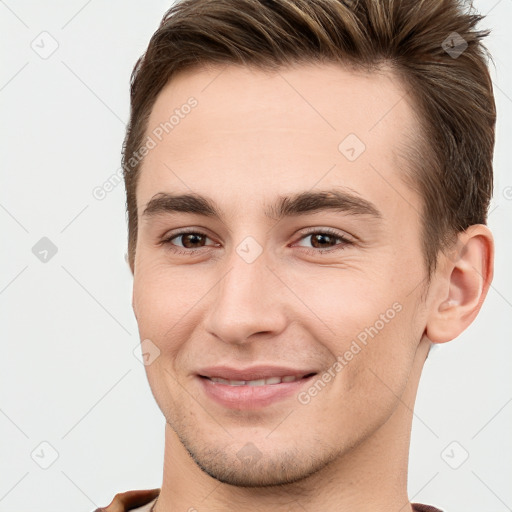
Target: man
307, 190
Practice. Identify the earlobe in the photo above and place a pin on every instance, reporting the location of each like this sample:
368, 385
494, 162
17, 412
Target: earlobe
463, 283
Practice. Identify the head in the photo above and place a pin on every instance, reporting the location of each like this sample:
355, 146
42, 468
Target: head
255, 126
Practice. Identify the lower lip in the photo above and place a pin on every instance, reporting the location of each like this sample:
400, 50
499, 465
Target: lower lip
250, 397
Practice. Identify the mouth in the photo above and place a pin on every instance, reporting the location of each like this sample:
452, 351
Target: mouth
252, 388
259, 382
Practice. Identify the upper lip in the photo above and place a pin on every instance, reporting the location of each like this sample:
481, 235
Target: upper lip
252, 373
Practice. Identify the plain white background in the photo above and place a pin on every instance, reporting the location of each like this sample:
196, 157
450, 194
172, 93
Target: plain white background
74, 396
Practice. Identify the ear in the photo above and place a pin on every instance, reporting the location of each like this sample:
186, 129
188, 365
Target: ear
463, 278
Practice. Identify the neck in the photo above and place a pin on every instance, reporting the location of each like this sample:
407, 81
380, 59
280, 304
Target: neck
371, 476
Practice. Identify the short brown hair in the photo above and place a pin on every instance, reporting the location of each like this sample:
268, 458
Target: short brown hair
432, 45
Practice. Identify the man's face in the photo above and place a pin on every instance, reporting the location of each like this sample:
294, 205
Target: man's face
328, 296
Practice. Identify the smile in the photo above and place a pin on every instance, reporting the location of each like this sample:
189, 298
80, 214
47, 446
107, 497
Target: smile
257, 382
252, 388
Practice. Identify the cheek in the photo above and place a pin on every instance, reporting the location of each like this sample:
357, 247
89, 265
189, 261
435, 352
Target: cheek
372, 374
369, 328
383, 367
343, 303
161, 302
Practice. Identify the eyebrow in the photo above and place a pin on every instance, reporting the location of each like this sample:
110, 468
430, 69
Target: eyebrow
302, 203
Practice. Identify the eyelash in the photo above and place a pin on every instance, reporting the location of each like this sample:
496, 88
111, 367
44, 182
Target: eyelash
325, 231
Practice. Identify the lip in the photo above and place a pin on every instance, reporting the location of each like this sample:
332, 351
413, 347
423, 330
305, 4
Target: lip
251, 397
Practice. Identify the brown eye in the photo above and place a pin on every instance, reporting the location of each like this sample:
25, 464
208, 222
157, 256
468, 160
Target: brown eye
191, 240
188, 242
322, 240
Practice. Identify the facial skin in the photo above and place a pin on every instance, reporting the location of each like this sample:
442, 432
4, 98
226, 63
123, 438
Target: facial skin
252, 139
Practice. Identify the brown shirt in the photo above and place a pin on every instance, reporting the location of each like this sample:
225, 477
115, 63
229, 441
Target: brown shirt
142, 501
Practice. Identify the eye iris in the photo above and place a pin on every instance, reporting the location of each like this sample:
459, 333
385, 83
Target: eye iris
187, 238
323, 237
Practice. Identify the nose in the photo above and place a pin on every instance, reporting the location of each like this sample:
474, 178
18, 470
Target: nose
246, 302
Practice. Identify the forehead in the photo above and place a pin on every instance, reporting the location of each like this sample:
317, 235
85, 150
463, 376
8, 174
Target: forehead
261, 132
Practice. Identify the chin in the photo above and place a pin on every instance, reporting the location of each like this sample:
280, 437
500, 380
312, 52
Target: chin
250, 467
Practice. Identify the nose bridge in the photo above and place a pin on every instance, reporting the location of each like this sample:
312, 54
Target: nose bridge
245, 299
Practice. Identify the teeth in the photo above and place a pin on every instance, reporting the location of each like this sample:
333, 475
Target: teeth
237, 382
258, 382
